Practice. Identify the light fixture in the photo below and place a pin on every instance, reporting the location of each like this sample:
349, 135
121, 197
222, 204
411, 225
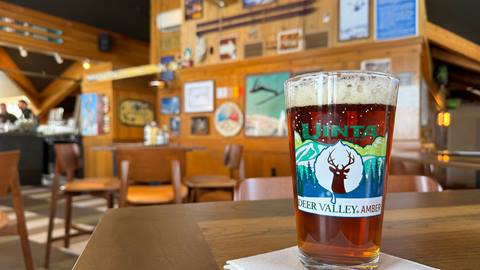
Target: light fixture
58, 58
443, 119
86, 64
157, 83
22, 51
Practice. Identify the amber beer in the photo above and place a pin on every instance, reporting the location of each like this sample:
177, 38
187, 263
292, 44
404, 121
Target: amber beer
340, 128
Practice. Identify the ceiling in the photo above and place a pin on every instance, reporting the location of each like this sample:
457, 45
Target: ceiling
38, 63
459, 16
128, 17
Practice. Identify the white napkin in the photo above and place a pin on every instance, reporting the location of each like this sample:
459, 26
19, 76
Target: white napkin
287, 259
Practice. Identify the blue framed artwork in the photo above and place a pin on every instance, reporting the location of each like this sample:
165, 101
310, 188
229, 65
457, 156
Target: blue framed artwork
252, 3
170, 105
167, 75
175, 125
89, 114
396, 19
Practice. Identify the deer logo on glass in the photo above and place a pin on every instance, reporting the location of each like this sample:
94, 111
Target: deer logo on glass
339, 169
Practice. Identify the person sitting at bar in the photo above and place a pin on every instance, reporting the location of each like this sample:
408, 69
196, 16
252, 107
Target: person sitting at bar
26, 112
5, 116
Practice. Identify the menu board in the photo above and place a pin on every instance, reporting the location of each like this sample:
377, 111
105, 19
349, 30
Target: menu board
396, 19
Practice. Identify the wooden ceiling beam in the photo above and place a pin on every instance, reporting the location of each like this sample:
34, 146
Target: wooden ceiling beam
59, 89
455, 59
451, 41
20, 79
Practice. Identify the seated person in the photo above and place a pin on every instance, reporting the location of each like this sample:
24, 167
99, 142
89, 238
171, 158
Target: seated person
5, 116
26, 112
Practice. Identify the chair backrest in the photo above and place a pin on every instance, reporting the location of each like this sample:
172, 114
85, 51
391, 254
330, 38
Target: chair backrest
233, 160
8, 170
67, 157
264, 188
150, 164
412, 183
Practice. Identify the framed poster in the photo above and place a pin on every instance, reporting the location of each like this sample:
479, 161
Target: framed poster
91, 114
265, 105
167, 75
170, 105
199, 125
198, 96
193, 9
290, 40
388, 23
228, 119
136, 112
353, 19
253, 3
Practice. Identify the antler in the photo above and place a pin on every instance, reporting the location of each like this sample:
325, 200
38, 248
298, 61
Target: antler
330, 160
351, 160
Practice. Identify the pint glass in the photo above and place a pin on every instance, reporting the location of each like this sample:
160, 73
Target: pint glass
340, 128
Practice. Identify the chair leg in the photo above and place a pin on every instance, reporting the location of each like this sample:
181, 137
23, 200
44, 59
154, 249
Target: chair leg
110, 200
51, 224
68, 220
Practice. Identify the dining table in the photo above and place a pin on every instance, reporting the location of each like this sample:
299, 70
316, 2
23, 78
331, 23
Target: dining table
439, 229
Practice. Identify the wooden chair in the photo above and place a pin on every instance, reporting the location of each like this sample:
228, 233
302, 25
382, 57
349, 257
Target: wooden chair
9, 182
264, 188
233, 160
412, 183
68, 161
141, 167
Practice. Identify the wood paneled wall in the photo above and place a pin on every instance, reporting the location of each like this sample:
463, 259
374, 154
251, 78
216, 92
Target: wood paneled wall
267, 155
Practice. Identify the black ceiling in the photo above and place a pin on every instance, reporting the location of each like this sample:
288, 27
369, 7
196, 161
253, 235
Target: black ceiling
458, 16
128, 17
38, 63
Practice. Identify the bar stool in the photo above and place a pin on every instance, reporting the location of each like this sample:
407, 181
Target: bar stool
68, 160
233, 160
9, 181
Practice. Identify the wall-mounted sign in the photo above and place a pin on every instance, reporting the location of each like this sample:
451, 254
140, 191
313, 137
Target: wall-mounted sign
136, 112
228, 119
265, 105
353, 19
395, 19
198, 96
290, 40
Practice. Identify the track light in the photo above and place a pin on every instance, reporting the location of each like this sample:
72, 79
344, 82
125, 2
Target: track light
58, 58
86, 64
22, 51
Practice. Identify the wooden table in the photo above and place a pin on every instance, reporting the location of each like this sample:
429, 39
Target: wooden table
463, 162
437, 229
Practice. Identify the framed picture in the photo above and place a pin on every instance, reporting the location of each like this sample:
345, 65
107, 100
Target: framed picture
265, 105
193, 9
227, 48
199, 125
136, 112
91, 114
388, 25
175, 125
167, 75
253, 3
228, 119
378, 65
198, 96
353, 19
170, 105
290, 40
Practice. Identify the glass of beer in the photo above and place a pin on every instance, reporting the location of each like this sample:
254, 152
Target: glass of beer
340, 129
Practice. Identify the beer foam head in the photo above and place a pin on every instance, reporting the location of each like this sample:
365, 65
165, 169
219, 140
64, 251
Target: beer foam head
341, 87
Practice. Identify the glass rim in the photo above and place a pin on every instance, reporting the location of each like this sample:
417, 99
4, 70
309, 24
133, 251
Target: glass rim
334, 73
